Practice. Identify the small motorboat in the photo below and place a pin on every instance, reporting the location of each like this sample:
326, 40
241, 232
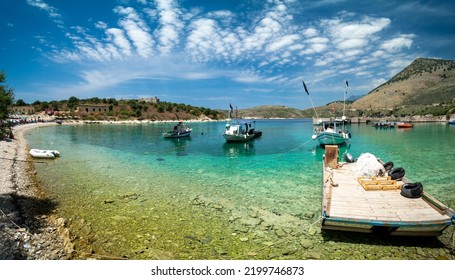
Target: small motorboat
405, 125
180, 130
36, 153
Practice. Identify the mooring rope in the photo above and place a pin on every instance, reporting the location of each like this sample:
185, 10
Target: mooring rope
291, 150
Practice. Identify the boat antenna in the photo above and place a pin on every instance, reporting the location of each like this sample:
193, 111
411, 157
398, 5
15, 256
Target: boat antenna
306, 90
344, 103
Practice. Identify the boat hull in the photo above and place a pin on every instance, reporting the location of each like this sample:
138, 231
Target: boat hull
405, 125
176, 135
238, 138
330, 138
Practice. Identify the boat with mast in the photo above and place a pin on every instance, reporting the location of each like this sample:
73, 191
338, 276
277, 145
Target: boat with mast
240, 130
331, 132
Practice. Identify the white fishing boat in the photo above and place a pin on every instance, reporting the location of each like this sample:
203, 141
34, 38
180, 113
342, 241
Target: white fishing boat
37, 153
241, 131
331, 132
179, 131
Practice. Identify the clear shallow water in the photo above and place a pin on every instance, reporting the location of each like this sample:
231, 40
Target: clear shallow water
127, 192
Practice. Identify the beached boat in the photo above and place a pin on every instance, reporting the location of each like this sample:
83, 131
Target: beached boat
179, 131
36, 153
377, 201
331, 133
405, 125
241, 131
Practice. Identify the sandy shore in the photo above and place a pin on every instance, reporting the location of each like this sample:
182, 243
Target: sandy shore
29, 227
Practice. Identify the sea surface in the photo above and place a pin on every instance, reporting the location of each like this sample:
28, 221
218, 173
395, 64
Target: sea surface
126, 192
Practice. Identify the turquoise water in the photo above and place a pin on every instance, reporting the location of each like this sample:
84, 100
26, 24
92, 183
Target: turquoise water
127, 192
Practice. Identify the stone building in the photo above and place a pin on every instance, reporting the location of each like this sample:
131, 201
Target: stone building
22, 110
93, 109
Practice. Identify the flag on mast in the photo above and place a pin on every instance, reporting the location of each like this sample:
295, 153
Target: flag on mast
306, 90
346, 88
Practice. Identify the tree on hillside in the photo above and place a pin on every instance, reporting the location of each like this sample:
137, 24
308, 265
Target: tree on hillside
73, 102
6, 99
21, 102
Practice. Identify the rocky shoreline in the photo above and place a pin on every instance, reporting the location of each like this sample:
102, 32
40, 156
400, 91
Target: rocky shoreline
29, 226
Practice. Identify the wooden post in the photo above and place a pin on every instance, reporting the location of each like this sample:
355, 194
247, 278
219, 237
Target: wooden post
331, 156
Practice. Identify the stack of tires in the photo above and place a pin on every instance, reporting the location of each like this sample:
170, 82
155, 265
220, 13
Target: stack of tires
409, 190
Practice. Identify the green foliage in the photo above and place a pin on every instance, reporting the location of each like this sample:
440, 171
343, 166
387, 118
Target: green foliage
21, 102
73, 102
6, 97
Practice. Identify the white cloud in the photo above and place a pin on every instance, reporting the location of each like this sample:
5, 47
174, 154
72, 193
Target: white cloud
396, 44
52, 11
354, 34
171, 25
282, 42
136, 29
310, 32
117, 36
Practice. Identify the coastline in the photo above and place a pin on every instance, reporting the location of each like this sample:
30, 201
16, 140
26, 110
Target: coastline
29, 226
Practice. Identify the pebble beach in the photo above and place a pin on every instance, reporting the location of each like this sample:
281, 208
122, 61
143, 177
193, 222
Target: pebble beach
29, 228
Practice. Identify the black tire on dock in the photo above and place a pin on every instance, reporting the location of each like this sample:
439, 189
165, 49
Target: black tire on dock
397, 173
388, 166
412, 190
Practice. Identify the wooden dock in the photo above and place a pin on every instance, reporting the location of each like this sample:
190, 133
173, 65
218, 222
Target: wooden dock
349, 206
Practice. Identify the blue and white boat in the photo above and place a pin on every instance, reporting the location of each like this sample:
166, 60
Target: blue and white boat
179, 131
451, 120
331, 133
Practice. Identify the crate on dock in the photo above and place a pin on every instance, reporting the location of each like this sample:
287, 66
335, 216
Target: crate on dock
374, 183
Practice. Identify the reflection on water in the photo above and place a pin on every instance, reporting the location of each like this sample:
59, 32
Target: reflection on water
179, 145
235, 150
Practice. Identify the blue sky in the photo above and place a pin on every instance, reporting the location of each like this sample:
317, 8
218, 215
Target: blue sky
212, 53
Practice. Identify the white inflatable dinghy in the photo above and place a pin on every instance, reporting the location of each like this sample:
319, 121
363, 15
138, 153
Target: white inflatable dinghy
36, 153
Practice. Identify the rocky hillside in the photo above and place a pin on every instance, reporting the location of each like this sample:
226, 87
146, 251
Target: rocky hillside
424, 82
272, 112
